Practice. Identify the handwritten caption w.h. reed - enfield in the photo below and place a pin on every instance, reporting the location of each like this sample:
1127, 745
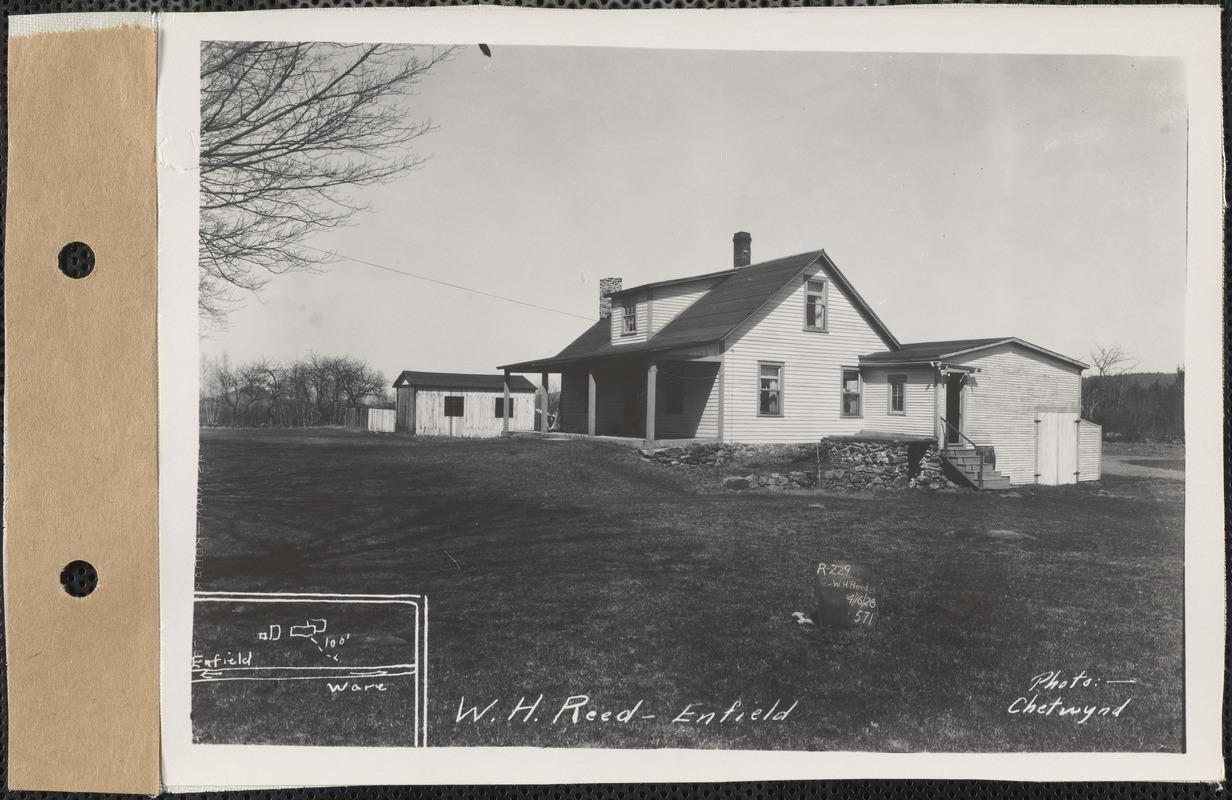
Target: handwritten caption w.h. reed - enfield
578, 709
1053, 693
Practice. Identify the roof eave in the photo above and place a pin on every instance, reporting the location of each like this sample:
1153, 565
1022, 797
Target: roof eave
1015, 340
766, 302
915, 362
532, 366
861, 304
673, 281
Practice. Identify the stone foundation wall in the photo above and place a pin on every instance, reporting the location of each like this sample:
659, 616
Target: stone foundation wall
855, 464
694, 455
835, 464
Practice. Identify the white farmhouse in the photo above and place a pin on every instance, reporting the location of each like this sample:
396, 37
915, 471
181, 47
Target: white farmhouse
788, 351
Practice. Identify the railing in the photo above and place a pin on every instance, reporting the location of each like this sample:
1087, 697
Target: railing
979, 451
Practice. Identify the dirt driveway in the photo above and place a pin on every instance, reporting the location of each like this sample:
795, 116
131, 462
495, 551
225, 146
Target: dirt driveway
1163, 461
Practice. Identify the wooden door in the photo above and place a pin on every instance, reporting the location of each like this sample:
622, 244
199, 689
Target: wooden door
406, 410
1056, 447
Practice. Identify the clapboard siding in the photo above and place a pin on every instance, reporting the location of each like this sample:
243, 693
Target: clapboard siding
610, 401
700, 416
618, 321
478, 418
918, 419
1090, 451
1002, 398
668, 301
812, 373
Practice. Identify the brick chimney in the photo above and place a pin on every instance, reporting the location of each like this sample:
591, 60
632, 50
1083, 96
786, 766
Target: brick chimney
742, 249
606, 287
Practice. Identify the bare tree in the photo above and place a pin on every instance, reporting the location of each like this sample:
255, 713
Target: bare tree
311, 391
273, 384
1100, 392
226, 384
357, 382
286, 130
298, 385
323, 390
253, 389
212, 392
1111, 360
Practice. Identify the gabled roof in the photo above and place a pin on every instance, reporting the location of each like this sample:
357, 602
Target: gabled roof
462, 381
709, 276
737, 296
925, 352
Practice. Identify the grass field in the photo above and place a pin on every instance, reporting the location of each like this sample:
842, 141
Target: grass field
577, 568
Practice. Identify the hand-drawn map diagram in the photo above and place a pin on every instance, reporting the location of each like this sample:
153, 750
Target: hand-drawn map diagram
310, 669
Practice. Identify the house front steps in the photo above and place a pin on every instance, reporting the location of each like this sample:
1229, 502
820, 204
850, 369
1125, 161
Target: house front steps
966, 462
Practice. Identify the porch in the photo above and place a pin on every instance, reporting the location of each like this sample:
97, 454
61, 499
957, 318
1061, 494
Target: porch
657, 399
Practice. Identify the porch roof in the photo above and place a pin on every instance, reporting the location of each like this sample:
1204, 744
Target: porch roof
927, 352
737, 296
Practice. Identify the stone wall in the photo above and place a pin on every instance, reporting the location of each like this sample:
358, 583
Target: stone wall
834, 464
694, 455
872, 464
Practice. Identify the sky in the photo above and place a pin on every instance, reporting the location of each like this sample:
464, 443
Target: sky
964, 196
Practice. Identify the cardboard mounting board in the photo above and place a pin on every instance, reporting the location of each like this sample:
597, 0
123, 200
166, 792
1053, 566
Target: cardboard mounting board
82, 460
81, 422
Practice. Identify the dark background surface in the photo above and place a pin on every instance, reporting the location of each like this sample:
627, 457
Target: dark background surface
867, 789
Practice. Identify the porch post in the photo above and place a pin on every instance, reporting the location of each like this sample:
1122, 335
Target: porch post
543, 402
652, 375
937, 427
590, 401
722, 392
505, 415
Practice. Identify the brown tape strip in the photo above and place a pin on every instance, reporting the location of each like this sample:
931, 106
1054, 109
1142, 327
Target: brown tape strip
81, 474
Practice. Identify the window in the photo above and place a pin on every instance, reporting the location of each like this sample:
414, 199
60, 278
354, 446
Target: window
898, 394
500, 407
454, 406
815, 306
770, 400
851, 393
630, 318
673, 395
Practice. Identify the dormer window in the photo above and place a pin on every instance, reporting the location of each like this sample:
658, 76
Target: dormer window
629, 315
815, 305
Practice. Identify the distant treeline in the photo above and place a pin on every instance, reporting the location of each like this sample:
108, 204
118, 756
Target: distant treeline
1137, 406
315, 390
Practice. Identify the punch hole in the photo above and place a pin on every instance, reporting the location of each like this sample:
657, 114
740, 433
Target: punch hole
76, 259
79, 578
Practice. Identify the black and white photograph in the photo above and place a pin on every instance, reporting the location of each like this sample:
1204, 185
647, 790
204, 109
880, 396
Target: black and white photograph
689, 399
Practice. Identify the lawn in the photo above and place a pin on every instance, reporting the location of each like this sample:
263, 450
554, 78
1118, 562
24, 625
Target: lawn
577, 568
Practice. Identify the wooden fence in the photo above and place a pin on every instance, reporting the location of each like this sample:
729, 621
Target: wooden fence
378, 420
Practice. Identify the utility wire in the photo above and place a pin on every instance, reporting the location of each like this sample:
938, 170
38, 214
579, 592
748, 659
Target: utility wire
444, 283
